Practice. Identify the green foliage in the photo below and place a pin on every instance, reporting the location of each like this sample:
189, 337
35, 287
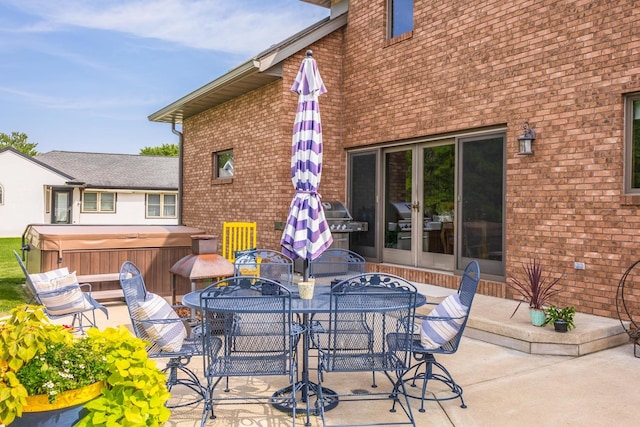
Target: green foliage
11, 278
439, 169
24, 335
136, 389
63, 367
537, 288
18, 140
554, 313
168, 150
34, 353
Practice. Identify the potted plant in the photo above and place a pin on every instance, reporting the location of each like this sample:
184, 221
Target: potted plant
47, 371
562, 318
536, 289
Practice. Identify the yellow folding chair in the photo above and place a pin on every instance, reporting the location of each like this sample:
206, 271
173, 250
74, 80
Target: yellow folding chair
238, 236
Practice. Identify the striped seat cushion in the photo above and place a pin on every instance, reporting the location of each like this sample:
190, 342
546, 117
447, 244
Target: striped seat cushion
169, 335
60, 292
433, 332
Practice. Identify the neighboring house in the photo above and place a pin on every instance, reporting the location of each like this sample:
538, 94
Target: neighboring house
23, 182
420, 127
61, 187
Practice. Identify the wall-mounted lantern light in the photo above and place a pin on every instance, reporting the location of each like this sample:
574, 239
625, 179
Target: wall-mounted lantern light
526, 140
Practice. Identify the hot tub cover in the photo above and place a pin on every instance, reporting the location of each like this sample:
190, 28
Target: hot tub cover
75, 237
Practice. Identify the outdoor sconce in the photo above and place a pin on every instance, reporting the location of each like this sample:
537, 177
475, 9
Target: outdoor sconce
525, 140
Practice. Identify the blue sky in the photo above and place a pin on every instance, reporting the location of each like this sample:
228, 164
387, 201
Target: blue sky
83, 75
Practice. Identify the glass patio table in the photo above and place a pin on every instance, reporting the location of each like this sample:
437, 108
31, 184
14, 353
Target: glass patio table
320, 303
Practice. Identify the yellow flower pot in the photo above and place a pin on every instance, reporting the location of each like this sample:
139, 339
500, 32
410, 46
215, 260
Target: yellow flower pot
66, 410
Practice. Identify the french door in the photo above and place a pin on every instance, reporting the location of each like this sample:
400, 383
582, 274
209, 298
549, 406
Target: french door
419, 194
443, 204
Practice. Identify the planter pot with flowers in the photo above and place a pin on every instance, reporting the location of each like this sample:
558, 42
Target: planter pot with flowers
562, 318
535, 289
48, 376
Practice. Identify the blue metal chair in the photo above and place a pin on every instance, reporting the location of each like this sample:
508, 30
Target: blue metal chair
265, 263
385, 301
335, 264
258, 337
155, 321
332, 266
82, 309
423, 370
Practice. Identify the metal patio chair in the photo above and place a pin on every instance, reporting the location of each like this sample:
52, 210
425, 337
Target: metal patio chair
332, 266
238, 236
265, 263
335, 264
62, 296
442, 320
386, 301
157, 322
258, 338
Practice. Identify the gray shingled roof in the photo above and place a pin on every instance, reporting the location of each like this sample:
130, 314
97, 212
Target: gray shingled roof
99, 170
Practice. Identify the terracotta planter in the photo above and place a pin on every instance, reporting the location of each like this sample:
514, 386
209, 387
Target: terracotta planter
67, 409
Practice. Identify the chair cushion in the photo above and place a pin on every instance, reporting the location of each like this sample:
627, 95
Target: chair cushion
68, 299
247, 262
435, 333
168, 336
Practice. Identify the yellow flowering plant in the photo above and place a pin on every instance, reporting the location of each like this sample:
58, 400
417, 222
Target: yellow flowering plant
38, 357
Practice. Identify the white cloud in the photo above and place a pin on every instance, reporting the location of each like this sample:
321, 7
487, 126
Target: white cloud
236, 26
74, 103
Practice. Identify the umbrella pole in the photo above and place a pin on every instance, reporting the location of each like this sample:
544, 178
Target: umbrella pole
305, 270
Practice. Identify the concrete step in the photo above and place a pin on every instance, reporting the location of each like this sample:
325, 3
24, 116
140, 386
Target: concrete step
491, 321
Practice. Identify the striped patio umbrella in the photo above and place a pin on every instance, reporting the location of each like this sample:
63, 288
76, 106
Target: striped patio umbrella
306, 234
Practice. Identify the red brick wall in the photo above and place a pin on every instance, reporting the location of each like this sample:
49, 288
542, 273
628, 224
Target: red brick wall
258, 127
561, 65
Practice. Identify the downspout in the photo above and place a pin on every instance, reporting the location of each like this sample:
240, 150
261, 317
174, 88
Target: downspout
180, 139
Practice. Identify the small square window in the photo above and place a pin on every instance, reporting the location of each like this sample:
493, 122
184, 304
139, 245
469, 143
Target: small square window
162, 205
94, 201
223, 164
399, 17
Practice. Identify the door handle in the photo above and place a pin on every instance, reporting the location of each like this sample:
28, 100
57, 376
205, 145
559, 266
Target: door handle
416, 206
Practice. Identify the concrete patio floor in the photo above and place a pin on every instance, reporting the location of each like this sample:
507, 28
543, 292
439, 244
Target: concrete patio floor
502, 386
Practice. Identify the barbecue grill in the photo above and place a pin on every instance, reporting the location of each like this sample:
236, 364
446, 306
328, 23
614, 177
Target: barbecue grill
341, 224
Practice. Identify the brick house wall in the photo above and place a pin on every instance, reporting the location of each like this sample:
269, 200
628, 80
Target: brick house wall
258, 127
564, 66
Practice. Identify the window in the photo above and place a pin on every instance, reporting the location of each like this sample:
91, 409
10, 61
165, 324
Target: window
95, 201
400, 17
1, 195
632, 143
161, 205
223, 164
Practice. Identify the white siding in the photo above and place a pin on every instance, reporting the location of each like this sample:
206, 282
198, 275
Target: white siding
130, 209
24, 195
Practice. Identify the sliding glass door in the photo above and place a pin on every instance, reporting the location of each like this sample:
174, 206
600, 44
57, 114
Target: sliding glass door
436, 204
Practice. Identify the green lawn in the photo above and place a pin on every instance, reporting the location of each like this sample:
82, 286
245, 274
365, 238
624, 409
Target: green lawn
11, 277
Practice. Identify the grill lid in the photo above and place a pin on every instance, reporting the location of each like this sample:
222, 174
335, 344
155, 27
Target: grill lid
336, 211
403, 209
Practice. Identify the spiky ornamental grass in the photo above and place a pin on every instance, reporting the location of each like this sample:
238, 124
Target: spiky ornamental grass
537, 288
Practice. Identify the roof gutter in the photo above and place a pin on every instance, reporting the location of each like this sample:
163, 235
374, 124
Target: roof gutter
180, 160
